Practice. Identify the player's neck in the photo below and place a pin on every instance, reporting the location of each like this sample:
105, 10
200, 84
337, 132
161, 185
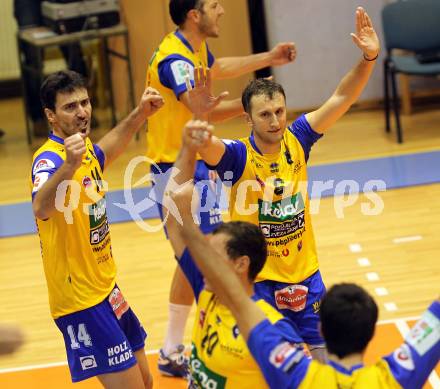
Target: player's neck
267, 148
194, 38
347, 362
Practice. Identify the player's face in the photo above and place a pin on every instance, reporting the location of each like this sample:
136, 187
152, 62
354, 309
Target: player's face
268, 118
72, 113
209, 17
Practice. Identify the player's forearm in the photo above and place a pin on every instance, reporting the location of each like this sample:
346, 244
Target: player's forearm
44, 201
227, 109
116, 141
354, 82
213, 153
231, 67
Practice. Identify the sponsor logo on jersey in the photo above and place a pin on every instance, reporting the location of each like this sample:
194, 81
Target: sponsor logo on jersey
39, 180
425, 334
202, 376
181, 70
97, 213
43, 164
403, 357
86, 181
282, 210
88, 362
316, 306
293, 297
118, 303
281, 353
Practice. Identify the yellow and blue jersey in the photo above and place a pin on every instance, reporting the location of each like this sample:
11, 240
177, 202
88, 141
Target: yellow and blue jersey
219, 356
270, 190
172, 61
285, 366
75, 245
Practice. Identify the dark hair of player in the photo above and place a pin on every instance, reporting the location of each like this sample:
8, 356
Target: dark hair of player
245, 239
348, 319
64, 81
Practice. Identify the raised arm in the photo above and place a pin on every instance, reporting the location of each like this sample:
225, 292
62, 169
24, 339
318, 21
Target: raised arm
231, 67
46, 188
216, 269
115, 142
354, 82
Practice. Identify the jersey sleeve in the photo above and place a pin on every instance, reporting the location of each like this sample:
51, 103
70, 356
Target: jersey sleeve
172, 73
412, 363
231, 166
44, 165
99, 155
289, 330
305, 134
283, 364
191, 272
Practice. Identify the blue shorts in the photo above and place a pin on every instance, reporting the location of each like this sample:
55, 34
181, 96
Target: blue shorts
208, 215
102, 339
299, 302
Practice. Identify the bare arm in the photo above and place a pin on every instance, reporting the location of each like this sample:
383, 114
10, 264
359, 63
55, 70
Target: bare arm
224, 281
231, 67
115, 142
44, 201
354, 82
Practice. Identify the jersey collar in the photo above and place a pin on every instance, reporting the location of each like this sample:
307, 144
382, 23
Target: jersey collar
343, 370
253, 144
56, 138
183, 39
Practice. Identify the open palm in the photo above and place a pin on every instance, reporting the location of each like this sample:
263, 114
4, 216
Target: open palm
365, 38
201, 99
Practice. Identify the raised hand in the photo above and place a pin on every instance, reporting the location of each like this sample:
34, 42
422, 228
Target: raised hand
201, 99
75, 149
283, 53
151, 102
365, 38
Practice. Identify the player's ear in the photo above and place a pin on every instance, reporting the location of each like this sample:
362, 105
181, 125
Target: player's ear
241, 264
193, 15
248, 119
50, 115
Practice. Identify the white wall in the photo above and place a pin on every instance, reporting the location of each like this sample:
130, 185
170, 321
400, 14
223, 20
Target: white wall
321, 30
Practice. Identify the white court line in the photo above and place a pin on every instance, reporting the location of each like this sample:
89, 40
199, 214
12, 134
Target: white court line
372, 276
403, 328
355, 247
405, 239
364, 262
381, 291
390, 307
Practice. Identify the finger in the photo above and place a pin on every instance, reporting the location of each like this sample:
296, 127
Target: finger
358, 21
356, 40
369, 22
202, 76
364, 20
196, 77
208, 78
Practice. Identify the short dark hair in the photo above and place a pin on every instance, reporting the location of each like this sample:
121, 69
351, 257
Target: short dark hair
348, 319
260, 86
180, 8
245, 239
64, 81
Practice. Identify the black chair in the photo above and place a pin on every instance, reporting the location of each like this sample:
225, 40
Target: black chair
413, 26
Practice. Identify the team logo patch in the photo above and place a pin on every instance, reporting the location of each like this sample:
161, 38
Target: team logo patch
88, 362
425, 334
118, 303
43, 164
86, 181
403, 357
281, 353
293, 297
181, 70
39, 180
